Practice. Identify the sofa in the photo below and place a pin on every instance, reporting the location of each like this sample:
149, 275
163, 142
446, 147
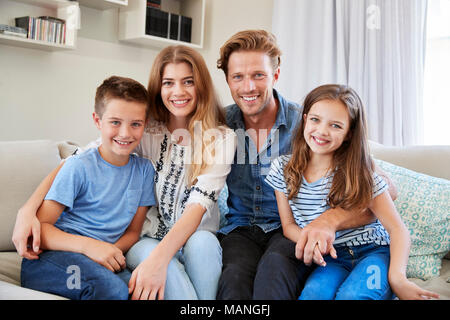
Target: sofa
23, 164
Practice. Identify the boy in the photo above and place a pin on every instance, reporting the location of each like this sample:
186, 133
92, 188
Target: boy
95, 209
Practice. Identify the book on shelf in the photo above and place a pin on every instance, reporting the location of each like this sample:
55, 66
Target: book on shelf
174, 29
44, 28
154, 3
12, 31
157, 22
185, 28
168, 25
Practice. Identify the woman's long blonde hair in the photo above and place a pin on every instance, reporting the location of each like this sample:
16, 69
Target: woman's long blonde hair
208, 111
352, 165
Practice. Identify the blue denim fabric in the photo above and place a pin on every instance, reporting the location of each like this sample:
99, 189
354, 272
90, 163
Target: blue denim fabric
74, 276
358, 273
251, 200
193, 273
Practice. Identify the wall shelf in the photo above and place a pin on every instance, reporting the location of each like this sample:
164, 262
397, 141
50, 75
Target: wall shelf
104, 4
132, 20
59, 9
33, 44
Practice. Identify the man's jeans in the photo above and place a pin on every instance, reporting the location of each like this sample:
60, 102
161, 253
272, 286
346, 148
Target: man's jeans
74, 276
358, 273
259, 265
193, 272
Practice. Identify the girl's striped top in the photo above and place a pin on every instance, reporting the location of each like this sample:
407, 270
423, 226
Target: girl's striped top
311, 202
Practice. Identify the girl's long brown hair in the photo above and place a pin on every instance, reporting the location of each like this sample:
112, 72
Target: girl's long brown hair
352, 165
208, 110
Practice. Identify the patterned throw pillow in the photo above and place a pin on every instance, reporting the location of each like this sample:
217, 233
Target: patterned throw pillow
424, 205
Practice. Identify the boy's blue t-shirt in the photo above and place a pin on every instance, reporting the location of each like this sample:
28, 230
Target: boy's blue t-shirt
101, 199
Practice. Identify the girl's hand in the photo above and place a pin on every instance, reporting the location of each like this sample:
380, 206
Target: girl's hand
148, 280
106, 254
408, 290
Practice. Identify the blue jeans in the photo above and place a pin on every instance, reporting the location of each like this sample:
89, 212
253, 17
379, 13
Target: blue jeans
193, 273
74, 276
358, 273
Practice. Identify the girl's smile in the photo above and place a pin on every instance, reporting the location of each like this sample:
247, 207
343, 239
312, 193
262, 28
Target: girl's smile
326, 127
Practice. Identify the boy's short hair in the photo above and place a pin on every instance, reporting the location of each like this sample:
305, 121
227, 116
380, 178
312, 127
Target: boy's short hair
250, 40
116, 87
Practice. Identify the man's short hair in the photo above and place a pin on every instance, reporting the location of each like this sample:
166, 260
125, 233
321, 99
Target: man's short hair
250, 40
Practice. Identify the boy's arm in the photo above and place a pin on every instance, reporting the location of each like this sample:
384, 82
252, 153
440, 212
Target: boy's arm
133, 232
53, 238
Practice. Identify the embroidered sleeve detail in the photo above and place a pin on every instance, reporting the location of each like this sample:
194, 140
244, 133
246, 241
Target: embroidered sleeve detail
202, 197
159, 163
211, 195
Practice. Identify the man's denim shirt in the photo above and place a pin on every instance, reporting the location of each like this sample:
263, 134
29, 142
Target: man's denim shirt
251, 201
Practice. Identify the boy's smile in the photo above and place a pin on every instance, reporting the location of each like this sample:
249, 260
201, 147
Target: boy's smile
122, 126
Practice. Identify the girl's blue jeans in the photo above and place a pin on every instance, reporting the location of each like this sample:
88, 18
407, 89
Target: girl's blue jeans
193, 273
74, 276
358, 273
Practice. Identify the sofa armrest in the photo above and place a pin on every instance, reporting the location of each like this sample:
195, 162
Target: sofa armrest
430, 160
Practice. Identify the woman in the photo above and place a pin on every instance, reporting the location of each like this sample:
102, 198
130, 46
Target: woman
179, 256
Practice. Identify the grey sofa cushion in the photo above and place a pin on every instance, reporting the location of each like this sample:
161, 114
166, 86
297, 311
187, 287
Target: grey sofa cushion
23, 165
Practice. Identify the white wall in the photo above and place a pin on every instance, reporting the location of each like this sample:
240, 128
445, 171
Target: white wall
50, 95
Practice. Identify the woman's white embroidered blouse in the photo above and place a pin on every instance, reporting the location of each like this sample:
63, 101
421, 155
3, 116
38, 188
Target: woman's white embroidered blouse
170, 161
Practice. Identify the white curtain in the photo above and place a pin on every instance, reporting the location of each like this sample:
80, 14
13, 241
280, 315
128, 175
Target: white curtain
375, 46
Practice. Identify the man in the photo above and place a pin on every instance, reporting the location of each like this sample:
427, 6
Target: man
258, 261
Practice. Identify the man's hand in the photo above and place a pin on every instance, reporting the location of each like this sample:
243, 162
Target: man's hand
316, 240
27, 236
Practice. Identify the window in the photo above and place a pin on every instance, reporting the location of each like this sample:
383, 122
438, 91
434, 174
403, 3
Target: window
436, 104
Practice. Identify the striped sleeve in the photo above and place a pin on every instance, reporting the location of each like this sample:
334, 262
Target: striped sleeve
379, 185
275, 177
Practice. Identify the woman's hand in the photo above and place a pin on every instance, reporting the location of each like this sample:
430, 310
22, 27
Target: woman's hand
27, 235
408, 290
148, 280
104, 253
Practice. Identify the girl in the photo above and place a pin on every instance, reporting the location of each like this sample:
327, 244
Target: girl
179, 257
330, 166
